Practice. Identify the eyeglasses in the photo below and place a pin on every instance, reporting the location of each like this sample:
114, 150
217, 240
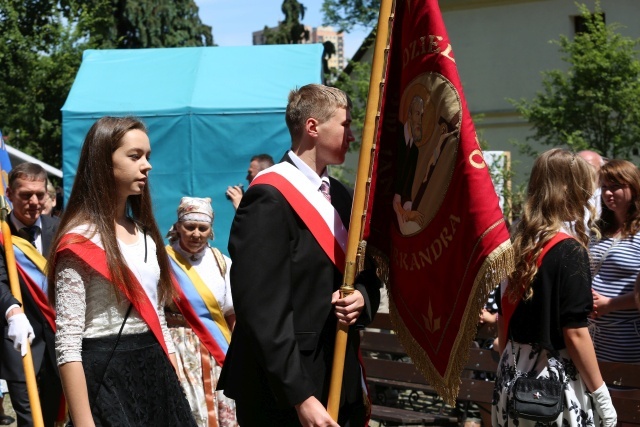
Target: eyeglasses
613, 187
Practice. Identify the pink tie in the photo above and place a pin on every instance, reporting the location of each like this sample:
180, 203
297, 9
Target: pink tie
324, 189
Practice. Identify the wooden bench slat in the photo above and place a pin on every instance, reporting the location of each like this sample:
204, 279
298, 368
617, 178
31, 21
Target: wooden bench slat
620, 374
406, 416
628, 410
425, 388
381, 321
390, 369
476, 390
484, 360
381, 342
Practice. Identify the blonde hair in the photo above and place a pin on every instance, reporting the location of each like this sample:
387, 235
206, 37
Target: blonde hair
313, 100
559, 190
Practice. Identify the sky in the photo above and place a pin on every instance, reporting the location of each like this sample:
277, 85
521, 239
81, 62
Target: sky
233, 21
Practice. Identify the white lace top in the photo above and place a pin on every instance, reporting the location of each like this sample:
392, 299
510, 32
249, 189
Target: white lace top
86, 304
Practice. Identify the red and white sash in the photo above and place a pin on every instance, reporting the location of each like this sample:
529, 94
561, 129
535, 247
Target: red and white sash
320, 217
509, 307
318, 214
91, 252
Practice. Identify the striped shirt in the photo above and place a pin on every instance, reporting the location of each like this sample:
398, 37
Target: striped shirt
615, 264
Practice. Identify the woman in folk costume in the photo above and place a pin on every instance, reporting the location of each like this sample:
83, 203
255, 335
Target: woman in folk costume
112, 278
544, 306
201, 318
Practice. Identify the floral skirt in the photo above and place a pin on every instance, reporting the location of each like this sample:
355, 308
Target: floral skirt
209, 407
136, 387
539, 363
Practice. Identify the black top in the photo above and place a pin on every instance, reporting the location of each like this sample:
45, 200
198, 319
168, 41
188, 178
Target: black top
561, 298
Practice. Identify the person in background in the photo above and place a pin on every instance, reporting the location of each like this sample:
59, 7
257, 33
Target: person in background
110, 279
32, 235
596, 161
637, 291
552, 292
258, 163
615, 265
5, 419
49, 200
285, 282
57, 211
204, 309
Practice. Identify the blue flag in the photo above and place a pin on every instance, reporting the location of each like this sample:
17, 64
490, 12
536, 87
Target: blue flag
5, 166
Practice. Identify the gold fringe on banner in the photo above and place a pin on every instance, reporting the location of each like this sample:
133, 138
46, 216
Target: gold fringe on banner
497, 266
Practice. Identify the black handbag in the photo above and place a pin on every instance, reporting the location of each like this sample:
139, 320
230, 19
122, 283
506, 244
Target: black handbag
537, 399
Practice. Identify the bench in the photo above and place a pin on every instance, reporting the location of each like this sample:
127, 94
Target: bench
402, 396
626, 402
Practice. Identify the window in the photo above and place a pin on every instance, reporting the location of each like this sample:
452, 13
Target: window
580, 24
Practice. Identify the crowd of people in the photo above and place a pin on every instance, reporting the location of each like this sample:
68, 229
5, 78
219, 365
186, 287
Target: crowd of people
577, 278
135, 333
127, 331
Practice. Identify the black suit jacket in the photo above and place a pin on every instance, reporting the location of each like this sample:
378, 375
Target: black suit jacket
281, 350
44, 342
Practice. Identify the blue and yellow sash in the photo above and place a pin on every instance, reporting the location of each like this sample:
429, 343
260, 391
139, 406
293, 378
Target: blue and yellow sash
31, 266
199, 307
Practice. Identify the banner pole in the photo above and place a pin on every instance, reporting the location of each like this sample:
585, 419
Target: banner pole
27, 360
361, 193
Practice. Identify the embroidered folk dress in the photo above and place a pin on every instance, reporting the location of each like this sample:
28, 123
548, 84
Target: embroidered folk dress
561, 298
189, 349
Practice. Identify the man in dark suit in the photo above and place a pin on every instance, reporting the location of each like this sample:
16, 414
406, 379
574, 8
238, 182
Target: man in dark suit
27, 191
286, 274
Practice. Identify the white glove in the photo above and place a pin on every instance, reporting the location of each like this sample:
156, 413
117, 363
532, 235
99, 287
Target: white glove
604, 406
19, 331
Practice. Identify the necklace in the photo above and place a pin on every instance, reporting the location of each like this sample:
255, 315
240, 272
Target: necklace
191, 256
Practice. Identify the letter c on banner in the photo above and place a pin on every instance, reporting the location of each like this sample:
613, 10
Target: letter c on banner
478, 165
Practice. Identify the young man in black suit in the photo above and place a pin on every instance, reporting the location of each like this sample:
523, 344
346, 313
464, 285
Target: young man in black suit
287, 244
34, 320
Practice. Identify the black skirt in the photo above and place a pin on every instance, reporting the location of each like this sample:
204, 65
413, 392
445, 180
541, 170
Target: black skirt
139, 388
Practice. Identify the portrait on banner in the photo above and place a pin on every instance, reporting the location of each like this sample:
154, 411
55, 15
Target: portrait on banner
428, 139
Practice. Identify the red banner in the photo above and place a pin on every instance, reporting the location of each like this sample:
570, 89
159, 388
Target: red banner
434, 210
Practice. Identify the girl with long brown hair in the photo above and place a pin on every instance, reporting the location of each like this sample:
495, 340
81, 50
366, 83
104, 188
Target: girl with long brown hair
615, 323
110, 278
545, 303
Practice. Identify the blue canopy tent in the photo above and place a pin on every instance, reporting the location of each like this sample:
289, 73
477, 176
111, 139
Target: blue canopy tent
208, 110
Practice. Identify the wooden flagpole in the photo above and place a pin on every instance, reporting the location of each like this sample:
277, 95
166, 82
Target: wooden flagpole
27, 360
355, 250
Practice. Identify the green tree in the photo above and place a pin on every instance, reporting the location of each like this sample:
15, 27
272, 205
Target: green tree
354, 80
594, 104
291, 30
356, 85
139, 23
36, 72
348, 14
41, 44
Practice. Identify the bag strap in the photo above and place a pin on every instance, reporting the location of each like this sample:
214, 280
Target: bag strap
222, 264
614, 242
106, 366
